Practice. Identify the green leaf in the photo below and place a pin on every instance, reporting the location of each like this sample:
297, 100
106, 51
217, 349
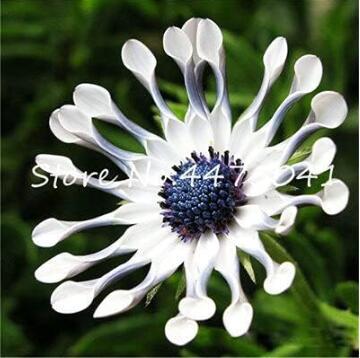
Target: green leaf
299, 155
181, 286
323, 328
300, 287
313, 263
287, 189
245, 260
117, 338
151, 294
175, 90
179, 109
348, 293
280, 308
14, 341
344, 319
286, 350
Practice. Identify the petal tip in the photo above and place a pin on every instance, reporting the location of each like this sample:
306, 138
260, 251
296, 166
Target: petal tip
72, 297
198, 309
281, 279
335, 197
237, 319
180, 330
114, 303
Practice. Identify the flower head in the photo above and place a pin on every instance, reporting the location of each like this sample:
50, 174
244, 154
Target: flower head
205, 190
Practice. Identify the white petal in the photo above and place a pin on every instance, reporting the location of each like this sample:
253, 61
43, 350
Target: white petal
180, 330
139, 60
51, 231
165, 259
209, 244
70, 125
162, 150
198, 267
197, 308
227, 263
308, 73
122, 300
253, 217
272, 202
150, 170
178, 46
63, 168
81, 125
60, 267
221, 128
274, 59
254, 155
136, 191
287, 220
116, 302
209, 41
322, 155
329, 109
133, 213
268, 158
237, 318
57, 268
332, 199
95, 101
60, 165
238, 315
241, 135
76, 122
335, 197
261, 179
210, 49
178, 136
190, 28
201, 133
278, 277
59, 131
72, 297
281, 279
140, 236
66, 265
319, 161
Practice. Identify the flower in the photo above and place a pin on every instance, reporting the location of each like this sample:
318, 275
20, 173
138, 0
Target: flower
196, 196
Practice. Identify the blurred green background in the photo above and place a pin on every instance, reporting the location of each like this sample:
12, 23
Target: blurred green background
50, 46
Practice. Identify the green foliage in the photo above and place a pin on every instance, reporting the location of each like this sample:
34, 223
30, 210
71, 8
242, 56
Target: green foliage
151, 294
50, 46
348, 294
118, 337
245, 260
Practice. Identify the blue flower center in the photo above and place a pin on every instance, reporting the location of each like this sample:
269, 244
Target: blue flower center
203, 194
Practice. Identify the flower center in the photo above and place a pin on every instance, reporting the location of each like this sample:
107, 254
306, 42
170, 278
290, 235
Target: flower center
203, 194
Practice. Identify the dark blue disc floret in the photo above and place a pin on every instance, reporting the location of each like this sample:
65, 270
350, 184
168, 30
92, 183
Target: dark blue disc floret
203, 194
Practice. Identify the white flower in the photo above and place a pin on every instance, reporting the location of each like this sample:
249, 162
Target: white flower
199, 194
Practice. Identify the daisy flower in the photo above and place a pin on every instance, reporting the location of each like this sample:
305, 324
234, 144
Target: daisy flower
197, 195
